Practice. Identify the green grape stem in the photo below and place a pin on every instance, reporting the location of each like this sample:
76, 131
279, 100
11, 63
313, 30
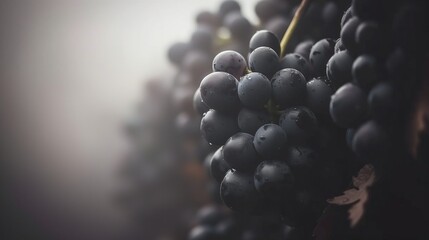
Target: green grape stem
288, 34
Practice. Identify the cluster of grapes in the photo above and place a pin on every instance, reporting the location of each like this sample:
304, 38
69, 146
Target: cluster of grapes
377, 63
284, 126
280, 152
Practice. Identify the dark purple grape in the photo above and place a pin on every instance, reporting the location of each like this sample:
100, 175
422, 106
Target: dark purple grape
239, 27
267, 9
264, 38
339, 69
298, 62
264, 60
231, 62
318, 97
177, 52
300, 125
203, 233
207, 18
364, 71
278, 26
348, 106
238, 192
217, 127
240, 153
197, 64
199, 105
304, 48
369, 37
219, 91
254, 90
303, 162
218, 165
320, 54
348, 33
331, 14
370, 142
249, 120
381, 101
270, 141
228, 229
209, 215
288, 87
228, 6
202, 38
274, 179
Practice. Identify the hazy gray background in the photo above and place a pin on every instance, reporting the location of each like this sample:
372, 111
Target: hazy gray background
70, 73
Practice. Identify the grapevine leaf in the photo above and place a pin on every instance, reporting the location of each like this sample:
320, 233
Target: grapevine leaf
357, 196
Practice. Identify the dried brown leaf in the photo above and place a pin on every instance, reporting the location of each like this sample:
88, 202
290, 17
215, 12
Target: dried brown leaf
357, 196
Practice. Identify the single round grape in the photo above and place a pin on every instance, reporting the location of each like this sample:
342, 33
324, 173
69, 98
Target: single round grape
219, 91
304, 48
202, 38
348, 33
278, 25
298, 62
320, 54
177, 52
240, 153
203, 233
231, 62
264, 38
239, 27
254, 90
364, 71
199, 105
300, 124
197, 64
264, 60
217, 127
207, 18
339, 68
370, 142
270, 141
228, 229
348, 106
369, 37
331, 13
228, 6
318, 97
303, 163
218, 165
381, 101
274, 179
238, 192
209, 215
288, 87
249, 120
267, 9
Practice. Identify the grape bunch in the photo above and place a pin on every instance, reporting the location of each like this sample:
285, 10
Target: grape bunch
279, 152
285, 124
286, 119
